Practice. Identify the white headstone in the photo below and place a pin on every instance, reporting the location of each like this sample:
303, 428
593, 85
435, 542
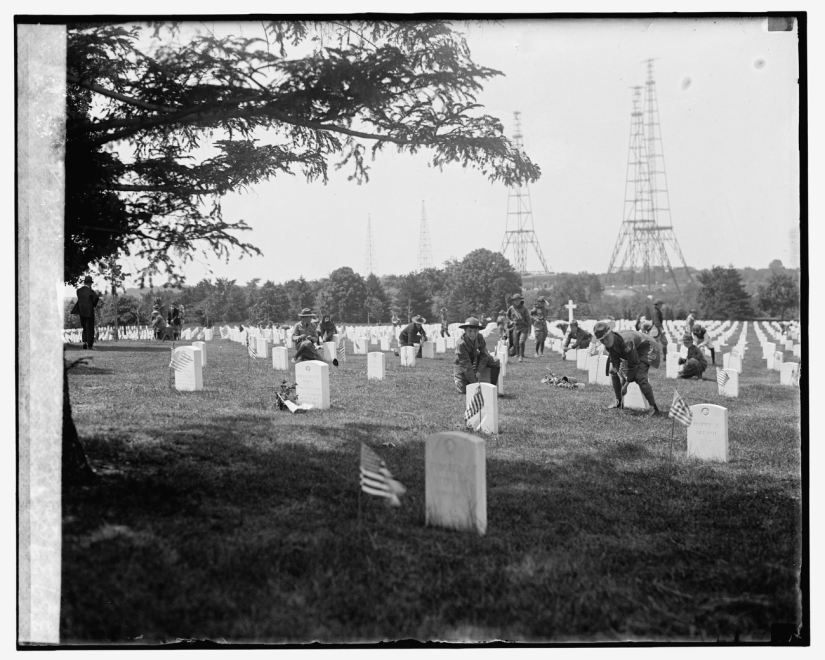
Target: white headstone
787, 373
208, 334
731, 387
777, 360
312, 379
190, 378
280, 358
634, 399
450, 343
488, 417
570, 307
440, 345
330, 351
581, 358
428, 350
262, 346
707, 435
202, 347
731, 361
376, 366
570, 355
672, 368
797, 350
385, 343
771, 360
456, 481
407, 356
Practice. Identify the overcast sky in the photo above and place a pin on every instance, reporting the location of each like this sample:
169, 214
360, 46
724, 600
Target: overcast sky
728, 105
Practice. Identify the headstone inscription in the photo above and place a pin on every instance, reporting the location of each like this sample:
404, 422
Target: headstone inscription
376, 366
280, 358
312, 379
190, 377
487, 419
202, 346
707, 435
456, 481
407, 354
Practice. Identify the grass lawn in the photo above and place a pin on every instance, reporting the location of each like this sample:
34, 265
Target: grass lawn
216, 516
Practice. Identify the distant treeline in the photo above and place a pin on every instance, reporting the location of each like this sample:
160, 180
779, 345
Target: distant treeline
478, 285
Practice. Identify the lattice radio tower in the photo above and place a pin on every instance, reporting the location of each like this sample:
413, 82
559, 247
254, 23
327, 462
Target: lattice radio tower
519, 232
425, 252
647, 227
369, 256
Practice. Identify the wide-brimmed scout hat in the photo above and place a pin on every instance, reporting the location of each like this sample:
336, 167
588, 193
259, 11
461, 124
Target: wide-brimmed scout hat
574, 322
600, 329
419, 319
306, 311
516, 296
88, 279
658, 301
687, 339
693, 311
471, 322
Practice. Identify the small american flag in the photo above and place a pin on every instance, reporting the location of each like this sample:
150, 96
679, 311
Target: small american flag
376, 479
722, 377
250, 348
180, 360
679, 410
342, 351
476, 404
224, 332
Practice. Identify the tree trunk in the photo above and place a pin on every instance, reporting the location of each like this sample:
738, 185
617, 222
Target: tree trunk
76, 469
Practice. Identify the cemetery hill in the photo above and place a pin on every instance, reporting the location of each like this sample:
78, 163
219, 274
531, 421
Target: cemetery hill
246, 477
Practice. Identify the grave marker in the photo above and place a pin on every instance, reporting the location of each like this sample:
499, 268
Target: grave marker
440, 345
190, 377
731, 387
312, 379
376, 366
280, 358
488, 417
787, 372
570, 355
707, 435
450, 343
672, 368
330, 351
385, 343
407, 354
202, 347
428, 350
456, 481
634, 399
581, 358
778, 358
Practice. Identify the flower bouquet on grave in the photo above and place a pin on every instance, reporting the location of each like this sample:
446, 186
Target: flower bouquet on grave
565, 382
284, 393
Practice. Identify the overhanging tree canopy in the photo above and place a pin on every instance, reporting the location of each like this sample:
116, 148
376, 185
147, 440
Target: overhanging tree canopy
158, 130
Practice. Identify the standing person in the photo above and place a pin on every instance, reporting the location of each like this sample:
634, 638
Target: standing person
413, 333
501, 322
659, 323
396, 322
473, 363
689, 321
87, 299
444, 330
702, 339
175, 320
305, 337
694, 365
327, 329
519, 317
539, 316
577, 337
631, 353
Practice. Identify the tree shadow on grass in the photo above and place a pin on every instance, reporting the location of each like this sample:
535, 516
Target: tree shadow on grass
120, 348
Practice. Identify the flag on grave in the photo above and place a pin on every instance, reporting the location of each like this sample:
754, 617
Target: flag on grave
341, 353
180, 361
722, 377
376, 479
476, 404
250, 348
224, 332
679, 410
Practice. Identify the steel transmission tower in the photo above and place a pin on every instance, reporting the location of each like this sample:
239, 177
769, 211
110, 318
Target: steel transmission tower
425, 252
369, 256
647, 227
519, 232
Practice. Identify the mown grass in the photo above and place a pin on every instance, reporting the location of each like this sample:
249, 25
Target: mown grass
218, 517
